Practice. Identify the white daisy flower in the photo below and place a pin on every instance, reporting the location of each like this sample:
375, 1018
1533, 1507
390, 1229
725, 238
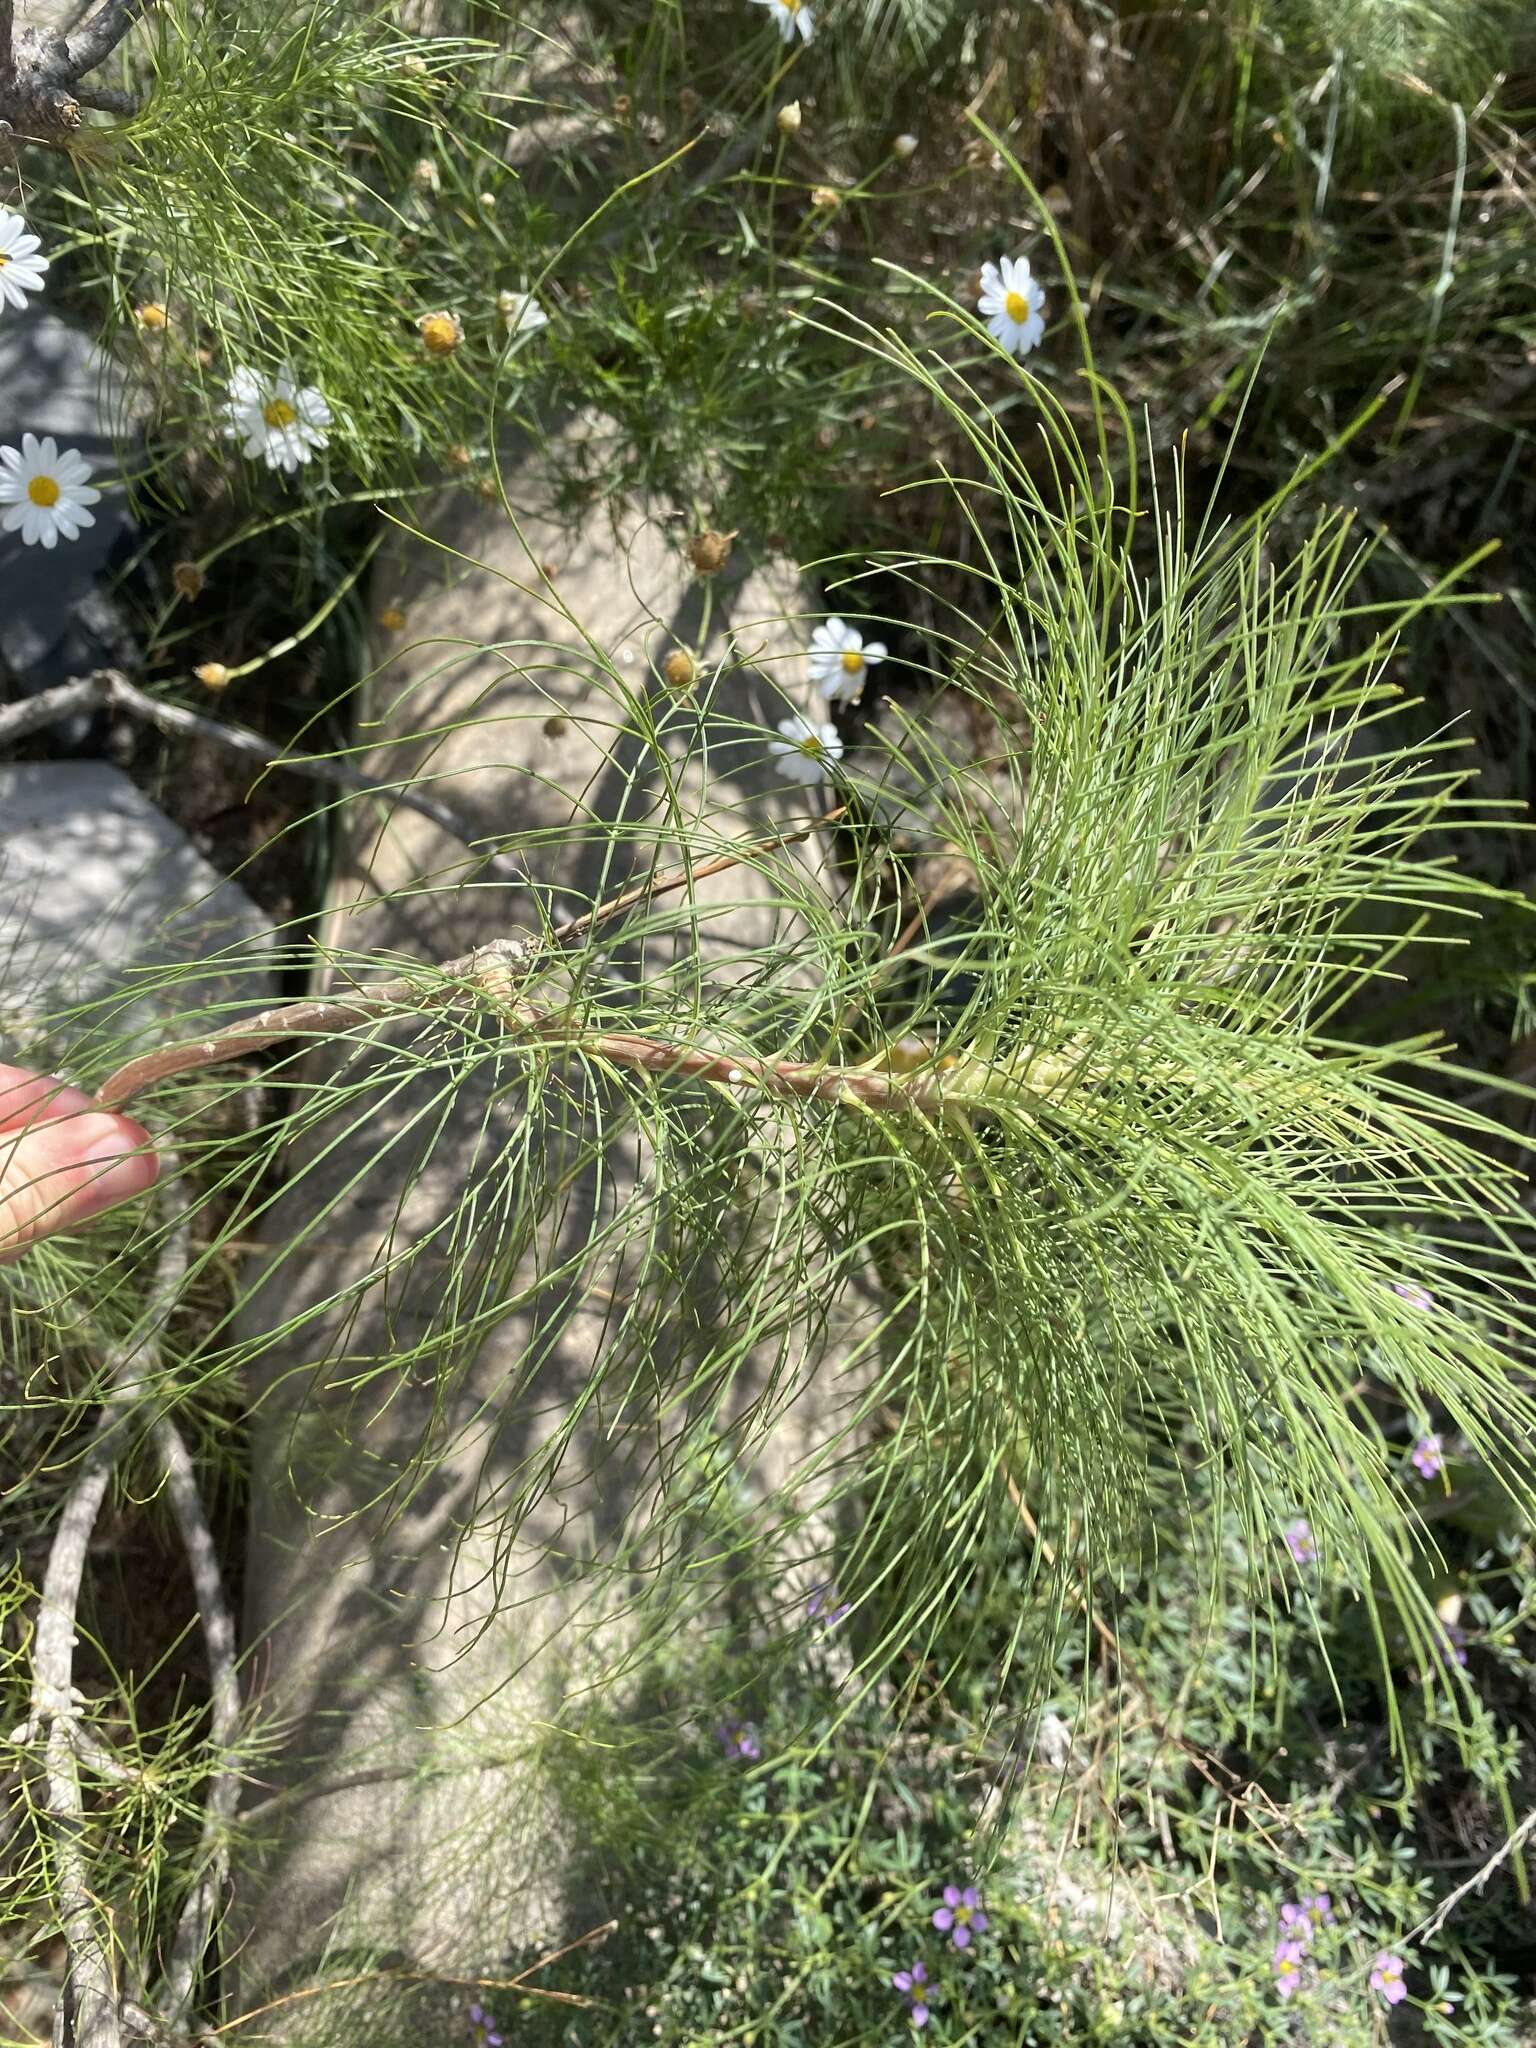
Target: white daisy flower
276, 418
1013, 304
839, 661
789, 15
21, 268
521, 312
807, 751
44, 491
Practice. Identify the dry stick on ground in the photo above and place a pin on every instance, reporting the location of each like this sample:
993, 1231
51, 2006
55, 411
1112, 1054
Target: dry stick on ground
96, 2003
190, 1942
1448, 1905
107, 687
91, 2002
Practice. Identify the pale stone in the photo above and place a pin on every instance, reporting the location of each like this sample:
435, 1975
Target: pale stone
410, 1661
100, 894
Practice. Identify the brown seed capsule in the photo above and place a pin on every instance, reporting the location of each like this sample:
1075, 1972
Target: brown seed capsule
188, 580
555, 725
490, 490
213, 675
458, 456
623, 105
441, 333
152, 317
392, 618
710, 551
679, 669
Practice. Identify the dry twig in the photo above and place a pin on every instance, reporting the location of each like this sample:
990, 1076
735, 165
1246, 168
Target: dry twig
1475, 1883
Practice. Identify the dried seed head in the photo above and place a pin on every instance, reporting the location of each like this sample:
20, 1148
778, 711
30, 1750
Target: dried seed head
458, 456
213, 675
710, 551
826, 198
787, 119
187, 580
679, 668
623, 105
392, 618
441, 333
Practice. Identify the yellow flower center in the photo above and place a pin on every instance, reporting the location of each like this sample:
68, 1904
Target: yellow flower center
791, 6
811, 747
277, 413
4, 259
852, 662
42, 490
1017, 307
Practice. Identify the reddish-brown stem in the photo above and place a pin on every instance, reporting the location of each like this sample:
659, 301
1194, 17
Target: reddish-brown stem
490, 971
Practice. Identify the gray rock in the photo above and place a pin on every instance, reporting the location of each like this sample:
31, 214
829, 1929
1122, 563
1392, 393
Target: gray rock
100, 894
56, 620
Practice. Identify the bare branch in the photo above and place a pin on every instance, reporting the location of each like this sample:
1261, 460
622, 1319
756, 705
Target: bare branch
108, 687
50, 707
1475, 1883
100, 36
106, 99
91, 1998
196, 1922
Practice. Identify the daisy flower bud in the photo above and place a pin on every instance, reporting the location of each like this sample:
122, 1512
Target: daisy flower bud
152, 317
826, 197
392, 619
187, 580
441, 333
905, 145
710, 551
213, 675
414, 66
679, 669
427, 175
787, 119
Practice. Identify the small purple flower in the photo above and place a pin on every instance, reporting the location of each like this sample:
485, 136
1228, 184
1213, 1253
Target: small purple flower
1289, 1956
486, 2035
913, 1984
1300, 1541
1427, 1460
1451, 1645
960, 1915
1387, 1978
825, 1607
1416, 1297
739, 1738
